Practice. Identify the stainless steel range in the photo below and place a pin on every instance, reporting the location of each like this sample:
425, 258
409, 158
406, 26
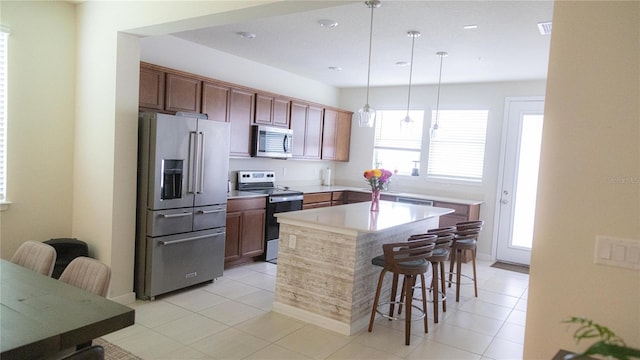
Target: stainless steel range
279, 200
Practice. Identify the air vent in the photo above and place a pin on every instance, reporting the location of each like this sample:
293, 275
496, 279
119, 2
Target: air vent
544, 28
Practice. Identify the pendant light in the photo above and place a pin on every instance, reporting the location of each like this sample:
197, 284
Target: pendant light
367, 115
407, 123
435, 126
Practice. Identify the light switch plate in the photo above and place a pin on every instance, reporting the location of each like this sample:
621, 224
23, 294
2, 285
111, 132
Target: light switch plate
617, 252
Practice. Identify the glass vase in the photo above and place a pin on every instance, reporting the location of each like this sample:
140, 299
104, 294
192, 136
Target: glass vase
375, 200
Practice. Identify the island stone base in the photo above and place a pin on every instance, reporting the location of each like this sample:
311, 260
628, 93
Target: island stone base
325, 276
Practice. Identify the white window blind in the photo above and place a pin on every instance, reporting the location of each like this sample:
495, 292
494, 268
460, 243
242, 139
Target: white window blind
395, 147
4, 38
457, 150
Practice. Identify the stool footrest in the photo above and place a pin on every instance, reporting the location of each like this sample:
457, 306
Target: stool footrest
420, 316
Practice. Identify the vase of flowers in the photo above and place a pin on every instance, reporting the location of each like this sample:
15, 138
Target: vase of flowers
378, 179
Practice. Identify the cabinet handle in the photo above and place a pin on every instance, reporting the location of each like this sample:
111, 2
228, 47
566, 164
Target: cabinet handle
168, 216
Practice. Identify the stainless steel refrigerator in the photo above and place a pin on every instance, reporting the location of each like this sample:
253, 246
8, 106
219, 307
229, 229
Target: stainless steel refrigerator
183, 164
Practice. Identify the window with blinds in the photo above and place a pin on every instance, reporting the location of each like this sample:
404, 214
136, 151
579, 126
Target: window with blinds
4, 38
397, 148
457, 149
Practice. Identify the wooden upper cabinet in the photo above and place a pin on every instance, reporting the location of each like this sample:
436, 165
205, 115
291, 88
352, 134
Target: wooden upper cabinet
264, 109
151, 91
298, 124
281, 112
272, 110
306, 123
182, 93
215, 101
329, 134
241, 115
336, 135
313, 133
343, 136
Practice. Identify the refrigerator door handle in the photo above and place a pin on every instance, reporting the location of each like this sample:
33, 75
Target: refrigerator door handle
169, 216
211, 211
200, 187
194, 238
191, 172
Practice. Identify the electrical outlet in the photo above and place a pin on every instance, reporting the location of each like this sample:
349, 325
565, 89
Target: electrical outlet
617, 252
292, 241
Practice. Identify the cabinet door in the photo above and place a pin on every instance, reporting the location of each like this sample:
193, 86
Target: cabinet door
215, 101
252, 243
241, 110
343, 136
182, 93
264, 109
232, 241
151, 91
298, 124
329, 134
281, 112
313, 133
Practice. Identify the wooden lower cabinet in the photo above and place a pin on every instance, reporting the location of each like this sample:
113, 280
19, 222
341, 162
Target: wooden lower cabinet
316, 200
463, 212
356, 197
245, 230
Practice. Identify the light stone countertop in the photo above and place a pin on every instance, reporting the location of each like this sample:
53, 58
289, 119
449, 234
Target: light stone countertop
308, 189
357, 218
237, 194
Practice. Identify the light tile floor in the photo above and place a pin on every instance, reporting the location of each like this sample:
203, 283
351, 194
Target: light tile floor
232, 319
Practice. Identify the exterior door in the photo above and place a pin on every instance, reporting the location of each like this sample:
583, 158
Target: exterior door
522, 138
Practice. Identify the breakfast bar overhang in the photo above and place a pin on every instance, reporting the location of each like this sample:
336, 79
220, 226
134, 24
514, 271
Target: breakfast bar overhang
325, 276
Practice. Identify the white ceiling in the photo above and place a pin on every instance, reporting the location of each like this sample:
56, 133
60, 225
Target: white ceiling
506, 46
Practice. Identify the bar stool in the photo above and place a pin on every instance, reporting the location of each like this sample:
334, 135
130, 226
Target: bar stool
439, 256
465, 239
409, 259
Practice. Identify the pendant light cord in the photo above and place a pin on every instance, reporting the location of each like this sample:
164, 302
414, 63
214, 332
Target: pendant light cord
372, 5
413, 35
442, 54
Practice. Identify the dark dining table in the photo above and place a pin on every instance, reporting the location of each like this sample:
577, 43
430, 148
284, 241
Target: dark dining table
41, 316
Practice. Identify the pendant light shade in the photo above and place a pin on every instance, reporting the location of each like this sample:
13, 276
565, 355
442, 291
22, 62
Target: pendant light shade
436, 125
367, 115
407, 123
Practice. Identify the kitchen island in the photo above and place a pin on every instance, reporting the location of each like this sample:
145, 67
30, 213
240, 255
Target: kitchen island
325, 276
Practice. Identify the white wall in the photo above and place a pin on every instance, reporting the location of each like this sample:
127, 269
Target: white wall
41, 115
489, 96
589, 176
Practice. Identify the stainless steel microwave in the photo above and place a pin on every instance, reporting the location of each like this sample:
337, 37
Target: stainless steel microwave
272, 142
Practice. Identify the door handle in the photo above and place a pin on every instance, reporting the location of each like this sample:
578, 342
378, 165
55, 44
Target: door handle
191, 162
200, 188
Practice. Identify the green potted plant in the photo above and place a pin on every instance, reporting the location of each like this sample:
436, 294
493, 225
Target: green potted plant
609, 344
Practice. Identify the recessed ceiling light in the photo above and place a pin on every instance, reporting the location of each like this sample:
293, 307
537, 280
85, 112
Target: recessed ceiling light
246, 35
328, 23
470, 27
544, 28
335, 68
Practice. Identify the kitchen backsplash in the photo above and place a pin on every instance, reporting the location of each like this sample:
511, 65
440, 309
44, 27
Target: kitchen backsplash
297, 172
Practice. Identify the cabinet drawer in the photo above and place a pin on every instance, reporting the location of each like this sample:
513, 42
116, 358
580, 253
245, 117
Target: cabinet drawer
246, 204
338, 196
460, 209
317, 197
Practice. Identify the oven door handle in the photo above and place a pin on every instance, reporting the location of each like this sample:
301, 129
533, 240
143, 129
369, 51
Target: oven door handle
285, 198
194, 238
